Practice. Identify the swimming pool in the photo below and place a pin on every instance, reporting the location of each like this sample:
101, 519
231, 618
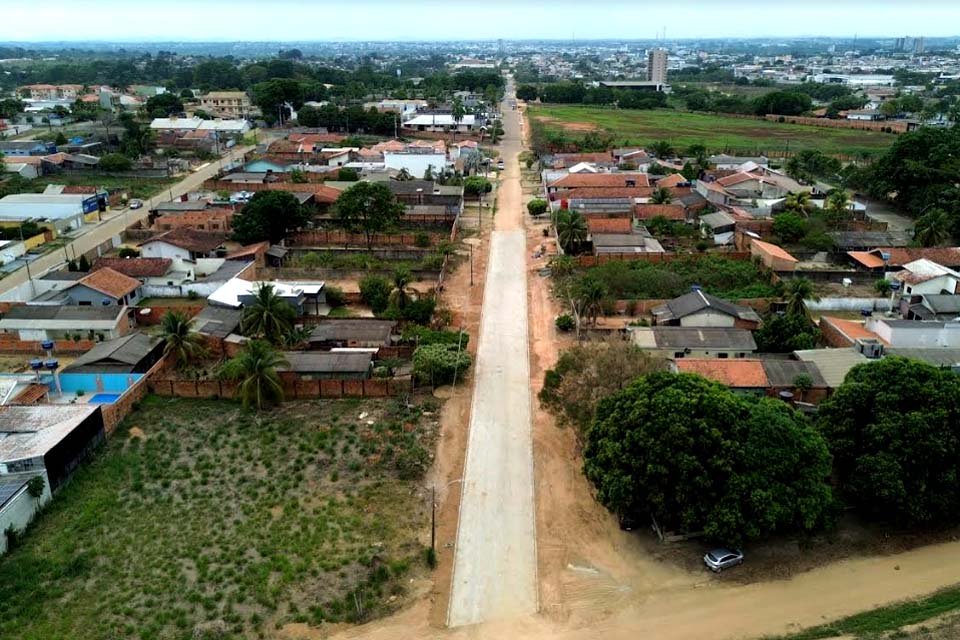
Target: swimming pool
104, 398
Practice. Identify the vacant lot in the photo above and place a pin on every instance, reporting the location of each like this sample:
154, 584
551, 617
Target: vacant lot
201, 520
716, 132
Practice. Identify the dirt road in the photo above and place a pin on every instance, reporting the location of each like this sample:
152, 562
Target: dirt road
494, 575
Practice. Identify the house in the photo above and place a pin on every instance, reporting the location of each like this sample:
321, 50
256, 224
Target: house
892, 258
217, 322
772, 256
183, 243
326, 365
146, 270
700, 309
64, 212
713, 192
104, 287
228, 104
217, 219
694, 342
38, 323
133, 353
441, 122
609, 225
16, 148
915, 333
24, 170
931, 306
416, 161
942, 357
832, 364
782, 376
725, 162
925, 277
676, 212
599, 181
719, 225
672, 180
48, 440
869, 115
747, 376
614, 243
352, 332
307, 298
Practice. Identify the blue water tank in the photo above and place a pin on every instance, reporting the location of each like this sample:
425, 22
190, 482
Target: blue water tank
36, 364
47, 345
52, 365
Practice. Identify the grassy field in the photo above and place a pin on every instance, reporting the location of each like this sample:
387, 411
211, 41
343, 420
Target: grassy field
888, 621
716, 132
200, 520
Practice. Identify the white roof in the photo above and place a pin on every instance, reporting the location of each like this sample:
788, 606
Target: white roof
584, 167
439, 119
229, 294
223, 125
21, 206
176, 123
30, 432
928, 269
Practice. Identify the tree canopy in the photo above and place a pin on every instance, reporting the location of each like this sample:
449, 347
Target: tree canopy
785, 333
368, 208
892, 427
700, 458
270, 215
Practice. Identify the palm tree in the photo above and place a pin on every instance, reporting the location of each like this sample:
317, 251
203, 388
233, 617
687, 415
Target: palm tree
798, 202
592, 295
296, 338
255, 368
798, 291
661, 196
180, 339
571, 229
404, 175
932, 229
458, 112
401, 294
269, 317
838, 203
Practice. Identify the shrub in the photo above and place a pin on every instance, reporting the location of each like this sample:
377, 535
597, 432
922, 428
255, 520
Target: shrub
565, 322
537, 207
335, 296
421, 240
128, 252
375, 291
412, 463
438, 363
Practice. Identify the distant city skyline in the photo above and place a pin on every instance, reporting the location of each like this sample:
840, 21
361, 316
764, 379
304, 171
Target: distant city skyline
436, 20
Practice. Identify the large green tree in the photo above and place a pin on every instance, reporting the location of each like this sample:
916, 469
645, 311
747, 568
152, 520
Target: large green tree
163, 105
700, 458
179, 339
932, 228
368, 208
893, 427
786, 332
270, 215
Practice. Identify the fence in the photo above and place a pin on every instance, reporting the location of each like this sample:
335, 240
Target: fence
303, 273
10, 344
344, 238
896, 126
656, 258
849, 304
152, 315
293, 388
114, 413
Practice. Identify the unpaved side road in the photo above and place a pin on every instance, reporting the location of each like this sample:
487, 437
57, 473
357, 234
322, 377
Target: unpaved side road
495, 565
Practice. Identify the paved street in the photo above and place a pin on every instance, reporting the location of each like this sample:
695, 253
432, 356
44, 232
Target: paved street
113, 225
495, 568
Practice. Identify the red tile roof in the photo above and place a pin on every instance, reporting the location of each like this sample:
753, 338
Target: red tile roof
736, 178
668, 211
249, 250
136, 267
852, 329
733, 373
671, 180
899, 256
594, 193
110, 282
601, 180
190, 239
609, 225
772, 250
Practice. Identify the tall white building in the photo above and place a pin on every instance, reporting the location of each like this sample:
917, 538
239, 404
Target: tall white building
657, 65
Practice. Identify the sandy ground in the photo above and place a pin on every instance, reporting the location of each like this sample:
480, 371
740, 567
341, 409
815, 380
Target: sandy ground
599, 582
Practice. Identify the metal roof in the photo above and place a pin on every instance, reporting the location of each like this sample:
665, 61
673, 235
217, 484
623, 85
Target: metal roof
31, 431
833, 364
63, 312
326, 362
347, 329
127, 350
218, 322
694, 338
695, 301
782, 373
938, 357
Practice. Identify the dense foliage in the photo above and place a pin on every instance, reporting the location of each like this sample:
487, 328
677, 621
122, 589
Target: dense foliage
892, 427
270, 215
439, 363
567, 92
368, 208
716, 275
785, 333
375, 291
700, 458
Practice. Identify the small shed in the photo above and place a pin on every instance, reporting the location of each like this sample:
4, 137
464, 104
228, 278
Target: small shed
324, 365
352, 332
133, 353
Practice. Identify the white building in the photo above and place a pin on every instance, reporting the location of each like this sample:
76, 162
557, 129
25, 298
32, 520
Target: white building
440, 122
925, 277
415, 162
64, 211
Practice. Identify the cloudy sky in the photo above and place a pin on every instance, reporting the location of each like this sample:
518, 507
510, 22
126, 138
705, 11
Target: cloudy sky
279, 20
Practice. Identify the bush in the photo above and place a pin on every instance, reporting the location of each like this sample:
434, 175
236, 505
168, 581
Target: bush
421, 240
335, 296
419, 311
437, 364
375, 291
128, 252
412, 463
565, 323
115, 162
420, 336
537, 207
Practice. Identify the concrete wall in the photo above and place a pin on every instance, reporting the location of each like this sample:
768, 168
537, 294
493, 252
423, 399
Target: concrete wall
163, 250
849, 304
20, 509
707, 318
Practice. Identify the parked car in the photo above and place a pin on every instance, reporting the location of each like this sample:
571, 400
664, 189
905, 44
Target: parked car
136, 204
720, 559
500, 165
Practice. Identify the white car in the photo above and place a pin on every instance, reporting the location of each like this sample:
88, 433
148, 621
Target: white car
720, 559
136, 204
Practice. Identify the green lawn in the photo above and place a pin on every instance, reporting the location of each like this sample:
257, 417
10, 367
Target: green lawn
716, 132
872, 624
200, 516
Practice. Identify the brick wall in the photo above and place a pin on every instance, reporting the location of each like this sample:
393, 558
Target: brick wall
343, 238
590, 261
114, 413
10, 344
294, 388
833, 336
158, 311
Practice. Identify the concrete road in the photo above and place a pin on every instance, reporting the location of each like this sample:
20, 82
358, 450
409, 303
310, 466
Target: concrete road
113, 225
495, 567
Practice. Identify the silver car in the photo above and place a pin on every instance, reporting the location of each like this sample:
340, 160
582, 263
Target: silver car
720, 559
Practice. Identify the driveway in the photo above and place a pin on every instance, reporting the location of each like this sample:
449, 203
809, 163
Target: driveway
495, 566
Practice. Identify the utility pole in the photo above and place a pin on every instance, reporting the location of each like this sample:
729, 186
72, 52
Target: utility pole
433, 519
471, 264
